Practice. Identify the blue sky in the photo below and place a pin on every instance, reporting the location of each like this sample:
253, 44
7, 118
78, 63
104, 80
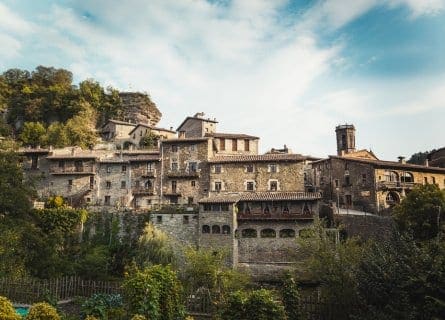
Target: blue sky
287, 71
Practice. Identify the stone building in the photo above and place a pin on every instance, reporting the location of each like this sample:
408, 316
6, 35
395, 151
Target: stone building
358, 180
141, 130
117, 131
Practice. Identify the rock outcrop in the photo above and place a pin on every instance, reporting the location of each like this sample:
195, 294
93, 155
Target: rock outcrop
138, 108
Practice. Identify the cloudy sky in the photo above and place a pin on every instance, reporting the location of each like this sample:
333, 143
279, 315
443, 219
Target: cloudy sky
287, 71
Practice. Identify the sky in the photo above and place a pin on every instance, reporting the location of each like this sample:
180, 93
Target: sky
286, 71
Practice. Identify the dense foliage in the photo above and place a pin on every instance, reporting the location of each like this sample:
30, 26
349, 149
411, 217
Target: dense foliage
42, 311
7, 311
154, 247
103, 306
291, 298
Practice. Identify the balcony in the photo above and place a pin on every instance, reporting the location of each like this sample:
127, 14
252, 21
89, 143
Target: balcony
258, 215
183, 174
144, 173
72, 170
142, 191
395, 185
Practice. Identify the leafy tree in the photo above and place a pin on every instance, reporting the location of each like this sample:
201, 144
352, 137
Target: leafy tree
80, 130
42, 311
155, 293
291, 298
419, 158
7, 311
57, 135
12, 250
421, 211
150, 140
153, 247
33, 134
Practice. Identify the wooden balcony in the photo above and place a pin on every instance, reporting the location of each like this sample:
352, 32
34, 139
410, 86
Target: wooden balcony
141, 191
72, 170
275, 216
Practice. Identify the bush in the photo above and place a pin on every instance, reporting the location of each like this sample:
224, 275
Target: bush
291, 298
7, 311
103, 306
42, 311
138, 317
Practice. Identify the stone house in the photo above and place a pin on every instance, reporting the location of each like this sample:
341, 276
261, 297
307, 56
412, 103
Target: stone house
358, 180
117, 131
196, 126
141, 130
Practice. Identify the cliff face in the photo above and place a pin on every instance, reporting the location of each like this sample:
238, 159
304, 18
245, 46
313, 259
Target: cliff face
138, 108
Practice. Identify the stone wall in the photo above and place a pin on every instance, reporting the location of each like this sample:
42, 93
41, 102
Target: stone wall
365, 227
182, 228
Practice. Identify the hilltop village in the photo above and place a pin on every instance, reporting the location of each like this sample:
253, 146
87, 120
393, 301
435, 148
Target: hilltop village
213, 189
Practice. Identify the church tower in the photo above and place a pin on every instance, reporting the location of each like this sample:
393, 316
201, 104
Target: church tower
345, 139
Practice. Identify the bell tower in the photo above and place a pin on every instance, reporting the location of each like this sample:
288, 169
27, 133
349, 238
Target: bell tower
345, 139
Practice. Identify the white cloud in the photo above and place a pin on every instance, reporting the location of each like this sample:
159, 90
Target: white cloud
421, 7
12, 22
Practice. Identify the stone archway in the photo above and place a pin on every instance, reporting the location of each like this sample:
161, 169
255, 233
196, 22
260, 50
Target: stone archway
392, 198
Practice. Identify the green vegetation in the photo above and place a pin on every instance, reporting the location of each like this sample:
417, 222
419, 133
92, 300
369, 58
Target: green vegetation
42, 311
7, 311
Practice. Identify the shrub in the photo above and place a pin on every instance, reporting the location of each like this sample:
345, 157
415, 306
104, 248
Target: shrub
291, 298
42, 311
138, 317
7, 311
102, 306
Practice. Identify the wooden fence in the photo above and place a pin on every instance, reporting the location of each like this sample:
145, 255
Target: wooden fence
28, 291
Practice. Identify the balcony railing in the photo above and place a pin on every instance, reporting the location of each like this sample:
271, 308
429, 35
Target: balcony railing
395, 185
72, 170
142, 191
258, 215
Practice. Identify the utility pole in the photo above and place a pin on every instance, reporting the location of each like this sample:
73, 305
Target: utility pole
438, 223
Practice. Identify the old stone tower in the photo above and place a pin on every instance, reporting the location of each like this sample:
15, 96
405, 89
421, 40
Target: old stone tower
345, 139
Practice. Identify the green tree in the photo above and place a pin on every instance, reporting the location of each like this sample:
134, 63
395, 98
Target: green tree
419, 157
7, 311
291, 298
33, 134
80, 130
150, 140
42, 311
57, 135
421, 211
153, 247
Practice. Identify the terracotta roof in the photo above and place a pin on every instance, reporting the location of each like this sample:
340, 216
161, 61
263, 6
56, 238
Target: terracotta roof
195, 118
231, 135
258, 158
392, 164
280, 196
262, 196
176, 140
150, 127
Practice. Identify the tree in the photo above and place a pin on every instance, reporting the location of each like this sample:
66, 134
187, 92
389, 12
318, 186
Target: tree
150, 140
421, 211
80, 130
419, 157
291, 298
42, 311
33, 134
57, 135
153, 247
7, 311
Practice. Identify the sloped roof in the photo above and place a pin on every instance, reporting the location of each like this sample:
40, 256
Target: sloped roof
262, 196
231, 135
277, 157
151, 128
195, 118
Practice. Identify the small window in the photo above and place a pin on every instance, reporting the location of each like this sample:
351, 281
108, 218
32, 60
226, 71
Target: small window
224, 207
174, 148
248, 233
193, 167
207, 207
192, 147
226, 229
107, 200
364, 178
234, 145
287, 233
336, 183
249, 168
217, 168
268, 233
433, 180
193, 183
124, 168
216, 229
159, 219
123, 184
108, 184
88, 200
108, 169
347, 181
246, 145
216, 207
174, 166
61, 164
272, 168
425, 179
218, 186
205, 229
70, 182
273, 186
185, 219
222, 144
190, 200
150, 167
250, 186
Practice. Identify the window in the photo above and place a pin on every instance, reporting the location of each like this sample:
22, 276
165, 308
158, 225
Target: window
108, 184
268, 233
61, 164
181, 134
174, 148
364, 178
70, 182
218, 186
148, 184
224, 207
336, 183
287, 233
391, 176
173, 186
348, 200
185, 220
137, 183
192, 147
174, 166
246, 145
250, 186
272, 168
159, 219
91, 182
433, 179
123, 184
207, 207
216, 207
124, 168
347, 181
249, 233
193, 167
425, 179
193, 183
216, 229
205, 229
108, 169
217, 168
222, 144
150, 167
234, 145
407, 177
190, 200
273, 185
88, 200
249, 168
226, 229
107, 200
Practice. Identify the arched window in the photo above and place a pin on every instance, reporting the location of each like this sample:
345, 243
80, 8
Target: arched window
148, 184
216, 229
266, 209
407, 177
392, 198
205, 229
249, 233
391, 176
226, 229
287, 233
268, 233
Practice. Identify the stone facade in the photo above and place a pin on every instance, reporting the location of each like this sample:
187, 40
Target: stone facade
141, 130
117, 131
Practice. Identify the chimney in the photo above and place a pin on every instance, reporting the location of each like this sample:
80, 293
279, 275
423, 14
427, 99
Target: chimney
427, 163
171, 128
73, 151
401, 159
